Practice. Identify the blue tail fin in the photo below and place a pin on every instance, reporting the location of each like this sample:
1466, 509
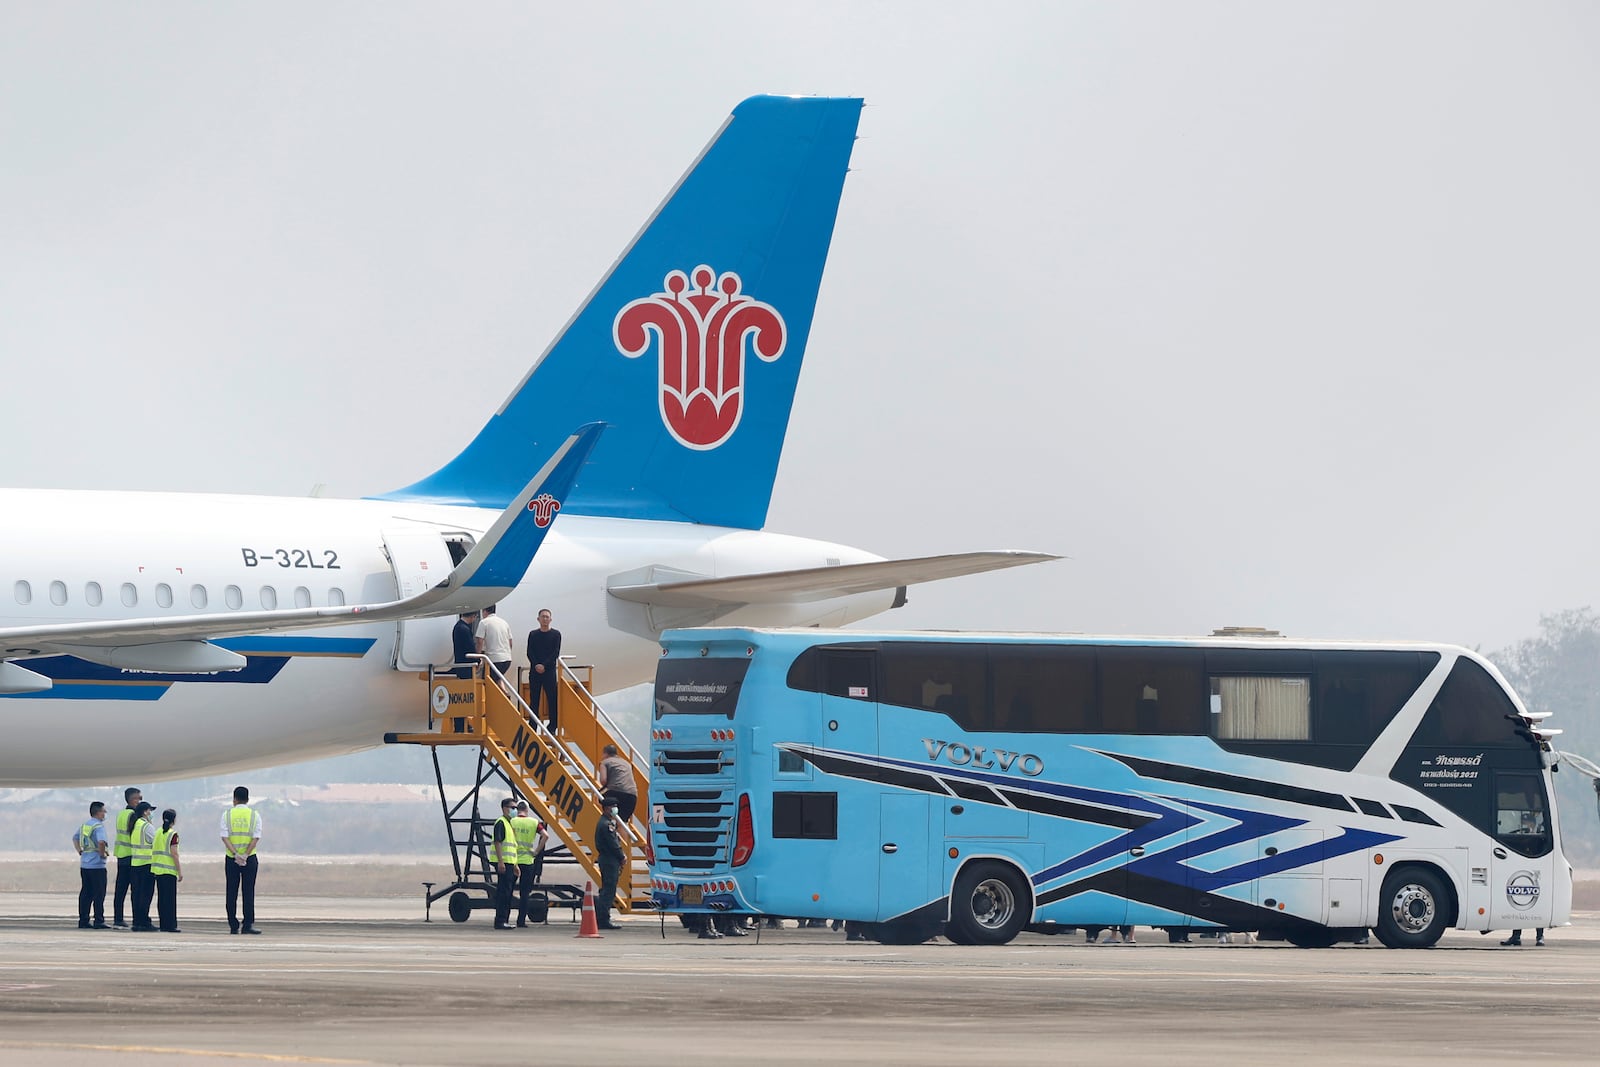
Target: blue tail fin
690, 348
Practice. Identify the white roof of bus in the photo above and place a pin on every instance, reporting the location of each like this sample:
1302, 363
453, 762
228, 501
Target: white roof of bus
813, 635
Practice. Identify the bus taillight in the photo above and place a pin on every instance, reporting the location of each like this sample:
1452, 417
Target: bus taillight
744, 833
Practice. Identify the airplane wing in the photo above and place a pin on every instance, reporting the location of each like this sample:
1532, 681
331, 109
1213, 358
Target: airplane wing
817, 583
179, 643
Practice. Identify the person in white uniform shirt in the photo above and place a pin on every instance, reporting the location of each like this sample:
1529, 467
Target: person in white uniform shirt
241, 833
494, 640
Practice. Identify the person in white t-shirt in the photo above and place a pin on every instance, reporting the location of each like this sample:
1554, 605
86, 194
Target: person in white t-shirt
494, 640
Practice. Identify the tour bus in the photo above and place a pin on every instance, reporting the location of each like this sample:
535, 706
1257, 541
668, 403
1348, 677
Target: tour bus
977, 784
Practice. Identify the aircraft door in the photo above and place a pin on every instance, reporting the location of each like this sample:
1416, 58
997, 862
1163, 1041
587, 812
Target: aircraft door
422, 556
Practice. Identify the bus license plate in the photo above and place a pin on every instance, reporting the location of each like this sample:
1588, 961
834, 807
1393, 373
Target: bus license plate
690, 894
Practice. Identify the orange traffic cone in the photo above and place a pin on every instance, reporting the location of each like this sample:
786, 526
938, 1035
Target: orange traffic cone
588, 927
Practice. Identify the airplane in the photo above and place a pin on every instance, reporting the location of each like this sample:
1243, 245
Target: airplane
166, 635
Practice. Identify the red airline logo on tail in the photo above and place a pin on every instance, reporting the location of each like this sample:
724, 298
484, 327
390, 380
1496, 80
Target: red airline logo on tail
702, 334
544, 508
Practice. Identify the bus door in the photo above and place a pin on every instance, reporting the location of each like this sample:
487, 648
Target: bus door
848, 723
1521, 875
1298, 889
905, 858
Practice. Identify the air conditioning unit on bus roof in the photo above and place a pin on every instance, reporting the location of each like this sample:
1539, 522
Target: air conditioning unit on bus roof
1244, 631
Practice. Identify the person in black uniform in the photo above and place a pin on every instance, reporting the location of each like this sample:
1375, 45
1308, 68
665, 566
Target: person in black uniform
544, 665
466, 645
608, 845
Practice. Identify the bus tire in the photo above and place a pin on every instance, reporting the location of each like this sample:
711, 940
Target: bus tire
1414, 909
954, 936
460, 907
904, 931
990, 903
1317, 937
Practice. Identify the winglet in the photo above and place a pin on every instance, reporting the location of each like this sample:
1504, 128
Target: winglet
501, 557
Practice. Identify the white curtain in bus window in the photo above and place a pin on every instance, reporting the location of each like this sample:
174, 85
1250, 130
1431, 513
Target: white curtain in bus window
1261, 709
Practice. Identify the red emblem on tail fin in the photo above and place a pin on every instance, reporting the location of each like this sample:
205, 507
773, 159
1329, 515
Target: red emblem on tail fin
544, 508
702, 332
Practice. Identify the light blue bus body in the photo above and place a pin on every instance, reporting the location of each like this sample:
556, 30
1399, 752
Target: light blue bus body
978, 784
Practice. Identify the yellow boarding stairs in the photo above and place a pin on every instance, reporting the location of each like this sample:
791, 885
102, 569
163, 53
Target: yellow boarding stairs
554, 773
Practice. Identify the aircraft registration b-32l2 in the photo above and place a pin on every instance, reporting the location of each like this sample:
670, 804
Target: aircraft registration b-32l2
273, 629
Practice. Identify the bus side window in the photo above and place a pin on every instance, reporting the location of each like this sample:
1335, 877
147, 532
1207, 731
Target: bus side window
1044, 689
1261, 709
847, 674
1471, 710
1153, 691
949, 679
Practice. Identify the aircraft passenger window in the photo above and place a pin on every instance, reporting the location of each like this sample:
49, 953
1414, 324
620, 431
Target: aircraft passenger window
233, 597
197, 595
58, 593
130, 595
302, 597
91, 594
164, 594
269, 597
336, 597
24, 592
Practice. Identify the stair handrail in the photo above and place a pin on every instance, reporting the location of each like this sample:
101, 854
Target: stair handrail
605, 717
587, 783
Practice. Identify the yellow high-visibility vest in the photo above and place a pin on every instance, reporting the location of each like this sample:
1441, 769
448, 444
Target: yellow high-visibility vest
144, 841
86, 837
124, 834
241, 827
527, 830
161, 854
505, 850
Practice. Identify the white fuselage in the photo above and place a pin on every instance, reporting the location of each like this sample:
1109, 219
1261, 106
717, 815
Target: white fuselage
315, 693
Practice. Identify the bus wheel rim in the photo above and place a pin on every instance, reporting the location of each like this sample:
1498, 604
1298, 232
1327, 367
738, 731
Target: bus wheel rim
1002, 903
1413, 908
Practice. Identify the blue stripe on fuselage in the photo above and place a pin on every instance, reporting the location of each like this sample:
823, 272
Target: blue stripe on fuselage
265, 656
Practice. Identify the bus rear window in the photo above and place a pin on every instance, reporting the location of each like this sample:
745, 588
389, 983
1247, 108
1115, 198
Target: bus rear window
699, 686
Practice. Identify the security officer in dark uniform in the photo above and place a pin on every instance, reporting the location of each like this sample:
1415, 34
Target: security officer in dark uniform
608, 847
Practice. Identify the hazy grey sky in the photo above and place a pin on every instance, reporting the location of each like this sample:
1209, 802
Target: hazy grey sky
1277, 314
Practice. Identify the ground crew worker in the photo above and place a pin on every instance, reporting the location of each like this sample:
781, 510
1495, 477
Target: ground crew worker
90, 843
168, 871
123, 850
530, 851
608, 846
503, 851
144, 883
241, 833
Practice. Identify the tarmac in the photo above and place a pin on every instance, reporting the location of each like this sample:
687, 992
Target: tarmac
338, 981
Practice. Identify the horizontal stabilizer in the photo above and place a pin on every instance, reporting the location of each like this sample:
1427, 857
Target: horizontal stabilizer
818, 583
493, 568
